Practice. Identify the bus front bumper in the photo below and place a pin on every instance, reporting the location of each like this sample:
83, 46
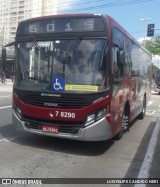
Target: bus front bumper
98, 131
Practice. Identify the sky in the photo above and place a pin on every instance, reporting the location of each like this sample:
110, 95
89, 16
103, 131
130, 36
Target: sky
127, 12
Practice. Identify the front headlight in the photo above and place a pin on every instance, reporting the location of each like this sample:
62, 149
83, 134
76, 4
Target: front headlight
19, 112
95, 116
101, 113
90, 119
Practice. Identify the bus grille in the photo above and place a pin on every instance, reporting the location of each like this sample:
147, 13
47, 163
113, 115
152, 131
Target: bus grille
64, 101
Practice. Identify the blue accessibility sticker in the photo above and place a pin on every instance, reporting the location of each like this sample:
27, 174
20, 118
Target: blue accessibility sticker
58, 84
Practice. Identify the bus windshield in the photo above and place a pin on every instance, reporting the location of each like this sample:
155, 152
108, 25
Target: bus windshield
62, 65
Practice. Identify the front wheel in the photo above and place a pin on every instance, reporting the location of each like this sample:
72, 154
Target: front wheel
124, 126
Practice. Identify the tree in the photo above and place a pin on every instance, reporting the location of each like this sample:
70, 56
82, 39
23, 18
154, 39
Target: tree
154, 70
153, 45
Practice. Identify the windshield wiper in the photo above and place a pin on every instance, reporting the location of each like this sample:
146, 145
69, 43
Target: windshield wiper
33, 39
74, 46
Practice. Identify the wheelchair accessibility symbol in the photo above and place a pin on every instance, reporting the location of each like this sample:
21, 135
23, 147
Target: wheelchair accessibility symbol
58, 85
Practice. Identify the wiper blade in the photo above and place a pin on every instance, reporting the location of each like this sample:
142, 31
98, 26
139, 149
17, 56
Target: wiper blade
74, 46
33, 39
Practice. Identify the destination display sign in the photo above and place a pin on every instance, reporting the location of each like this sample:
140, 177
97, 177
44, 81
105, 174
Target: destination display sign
57, 25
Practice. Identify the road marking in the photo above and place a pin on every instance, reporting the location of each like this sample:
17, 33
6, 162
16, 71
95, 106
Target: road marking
5, 107
5, 90
150, 112
147, 162
5, 96
153, 91
149, 103
4, 140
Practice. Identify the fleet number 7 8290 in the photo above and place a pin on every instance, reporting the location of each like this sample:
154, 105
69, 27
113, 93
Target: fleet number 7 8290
65, 114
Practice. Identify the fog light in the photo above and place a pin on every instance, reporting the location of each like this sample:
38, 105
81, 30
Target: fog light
19, 112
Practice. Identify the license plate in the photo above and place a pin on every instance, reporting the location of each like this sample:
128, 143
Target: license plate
50, 129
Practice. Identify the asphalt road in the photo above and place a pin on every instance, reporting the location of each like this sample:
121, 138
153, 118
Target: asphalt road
24, 155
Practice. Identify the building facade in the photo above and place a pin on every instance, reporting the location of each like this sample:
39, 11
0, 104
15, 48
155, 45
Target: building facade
14, 11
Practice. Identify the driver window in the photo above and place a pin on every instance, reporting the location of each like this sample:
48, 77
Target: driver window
118, 53
118, 72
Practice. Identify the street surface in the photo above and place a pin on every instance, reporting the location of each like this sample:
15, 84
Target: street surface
24, 155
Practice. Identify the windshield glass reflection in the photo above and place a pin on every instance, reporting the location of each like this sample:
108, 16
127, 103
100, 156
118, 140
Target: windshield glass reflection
61, 65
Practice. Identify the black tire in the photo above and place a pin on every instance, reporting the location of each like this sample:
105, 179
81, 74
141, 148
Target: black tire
142, 114
119, 135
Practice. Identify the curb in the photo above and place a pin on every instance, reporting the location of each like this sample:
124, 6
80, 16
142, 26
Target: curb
148, 159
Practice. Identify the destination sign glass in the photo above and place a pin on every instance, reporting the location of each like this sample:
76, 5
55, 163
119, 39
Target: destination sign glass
57, 25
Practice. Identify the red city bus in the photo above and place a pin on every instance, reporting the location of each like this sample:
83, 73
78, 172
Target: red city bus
78, 76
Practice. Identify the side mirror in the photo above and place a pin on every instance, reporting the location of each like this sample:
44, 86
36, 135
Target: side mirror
120, 58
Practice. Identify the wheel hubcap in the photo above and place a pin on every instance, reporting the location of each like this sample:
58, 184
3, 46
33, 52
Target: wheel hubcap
125, 122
